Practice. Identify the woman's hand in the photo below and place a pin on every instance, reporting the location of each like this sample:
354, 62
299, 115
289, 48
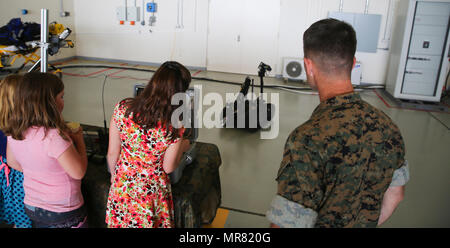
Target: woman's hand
186, 145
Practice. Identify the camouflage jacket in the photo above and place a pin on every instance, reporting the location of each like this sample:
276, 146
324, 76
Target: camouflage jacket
341, 162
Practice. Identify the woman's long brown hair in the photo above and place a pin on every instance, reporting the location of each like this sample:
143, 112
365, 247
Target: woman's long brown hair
35, 105
153, 105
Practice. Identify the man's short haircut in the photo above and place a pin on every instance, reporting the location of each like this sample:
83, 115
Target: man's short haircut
331, 44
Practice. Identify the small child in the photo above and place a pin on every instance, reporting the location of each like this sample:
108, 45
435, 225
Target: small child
12, 209
53, 159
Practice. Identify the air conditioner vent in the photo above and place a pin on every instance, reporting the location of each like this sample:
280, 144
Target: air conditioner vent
293, 69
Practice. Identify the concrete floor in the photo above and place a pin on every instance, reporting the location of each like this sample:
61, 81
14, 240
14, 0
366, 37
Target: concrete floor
249, 164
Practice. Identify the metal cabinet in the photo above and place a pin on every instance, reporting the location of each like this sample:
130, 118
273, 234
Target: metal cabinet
420, 45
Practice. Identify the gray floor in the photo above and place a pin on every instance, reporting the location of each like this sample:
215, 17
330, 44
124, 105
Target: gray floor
250, 164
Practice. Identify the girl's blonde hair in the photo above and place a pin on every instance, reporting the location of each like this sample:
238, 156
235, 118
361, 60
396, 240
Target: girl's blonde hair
7, 88
35, 105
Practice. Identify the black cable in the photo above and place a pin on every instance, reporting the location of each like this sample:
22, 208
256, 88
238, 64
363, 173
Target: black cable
240, 84
195, 78
242, 211
203, 78
105, 66
440, 121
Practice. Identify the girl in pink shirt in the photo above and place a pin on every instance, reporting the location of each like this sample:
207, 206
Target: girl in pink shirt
52, 157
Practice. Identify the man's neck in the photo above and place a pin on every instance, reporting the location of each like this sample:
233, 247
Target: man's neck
331, 88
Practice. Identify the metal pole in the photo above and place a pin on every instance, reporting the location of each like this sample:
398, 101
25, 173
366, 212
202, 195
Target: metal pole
387, 19
44, 39
61, 10
366, 10
341, 5
126, 11
182, 14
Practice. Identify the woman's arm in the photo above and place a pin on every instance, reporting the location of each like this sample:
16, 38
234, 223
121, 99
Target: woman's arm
11, 160
113, 148
173, 155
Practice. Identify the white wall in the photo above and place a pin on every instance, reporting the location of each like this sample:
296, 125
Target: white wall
12, 9
100, 35
248, 32
297, 16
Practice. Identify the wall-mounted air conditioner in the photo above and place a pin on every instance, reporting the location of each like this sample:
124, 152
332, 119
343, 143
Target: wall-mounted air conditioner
293, 69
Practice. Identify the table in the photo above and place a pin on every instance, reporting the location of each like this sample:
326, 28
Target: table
196, 196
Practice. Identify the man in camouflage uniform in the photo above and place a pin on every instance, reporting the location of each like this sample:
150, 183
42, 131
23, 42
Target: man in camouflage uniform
345, 166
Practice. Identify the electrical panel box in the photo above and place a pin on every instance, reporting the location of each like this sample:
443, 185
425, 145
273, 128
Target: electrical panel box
121, 14
128, 13
133, 14
367, 28
420, 44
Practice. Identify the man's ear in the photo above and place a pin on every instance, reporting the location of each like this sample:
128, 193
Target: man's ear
308, 66
354, 62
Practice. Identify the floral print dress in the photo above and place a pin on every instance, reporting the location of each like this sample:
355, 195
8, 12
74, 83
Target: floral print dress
140, 195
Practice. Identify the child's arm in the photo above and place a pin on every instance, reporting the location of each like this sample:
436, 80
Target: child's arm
12, 162
80, 146
74, 159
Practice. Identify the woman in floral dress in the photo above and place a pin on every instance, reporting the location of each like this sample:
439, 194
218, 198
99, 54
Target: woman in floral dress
143, 149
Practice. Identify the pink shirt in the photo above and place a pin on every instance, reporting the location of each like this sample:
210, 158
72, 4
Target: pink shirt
45, 183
